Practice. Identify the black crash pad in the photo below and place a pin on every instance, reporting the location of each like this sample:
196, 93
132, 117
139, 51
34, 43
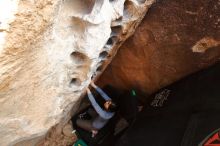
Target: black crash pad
181, 114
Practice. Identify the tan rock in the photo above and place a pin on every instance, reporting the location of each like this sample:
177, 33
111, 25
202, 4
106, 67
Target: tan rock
68, 130
49, 50
204, 44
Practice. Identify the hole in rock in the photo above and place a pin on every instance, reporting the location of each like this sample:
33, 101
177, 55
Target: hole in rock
111, 40
141, 1
99, 68
116, 30
103, 54
75, 82
78, 57
128, 8
78, 7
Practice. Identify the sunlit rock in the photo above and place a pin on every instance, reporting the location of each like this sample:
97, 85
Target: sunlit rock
49, 50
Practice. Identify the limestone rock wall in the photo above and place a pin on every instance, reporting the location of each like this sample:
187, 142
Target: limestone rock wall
176, 38
49, 50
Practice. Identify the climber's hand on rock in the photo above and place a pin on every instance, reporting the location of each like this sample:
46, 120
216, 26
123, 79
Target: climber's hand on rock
93, 84
88, 90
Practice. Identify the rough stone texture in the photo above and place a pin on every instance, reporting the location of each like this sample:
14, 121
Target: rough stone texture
49, 50
176, 38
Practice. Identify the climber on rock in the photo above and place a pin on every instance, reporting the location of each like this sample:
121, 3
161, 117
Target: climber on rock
99, 116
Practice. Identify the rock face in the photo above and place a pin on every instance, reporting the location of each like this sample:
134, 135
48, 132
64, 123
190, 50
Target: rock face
49, 50
176, 38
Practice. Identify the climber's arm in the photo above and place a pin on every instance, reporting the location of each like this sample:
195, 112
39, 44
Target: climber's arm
97, 108
100, 91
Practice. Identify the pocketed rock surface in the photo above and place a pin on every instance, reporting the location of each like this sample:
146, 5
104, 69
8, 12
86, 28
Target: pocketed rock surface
49, 50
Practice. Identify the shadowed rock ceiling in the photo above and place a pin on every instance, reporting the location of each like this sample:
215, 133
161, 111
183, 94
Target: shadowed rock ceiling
176, 38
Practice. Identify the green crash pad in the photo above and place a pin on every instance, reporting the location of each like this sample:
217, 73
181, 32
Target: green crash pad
80, 142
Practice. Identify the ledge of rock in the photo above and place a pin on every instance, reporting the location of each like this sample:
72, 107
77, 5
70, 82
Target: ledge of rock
49, 50
175, 38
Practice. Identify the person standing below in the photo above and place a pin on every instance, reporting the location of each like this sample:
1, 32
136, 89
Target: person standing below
100, 116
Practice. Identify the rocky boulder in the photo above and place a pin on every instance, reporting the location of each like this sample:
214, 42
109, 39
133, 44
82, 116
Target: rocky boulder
49, 50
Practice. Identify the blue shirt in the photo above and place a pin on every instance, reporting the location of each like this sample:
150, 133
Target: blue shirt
104, 116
